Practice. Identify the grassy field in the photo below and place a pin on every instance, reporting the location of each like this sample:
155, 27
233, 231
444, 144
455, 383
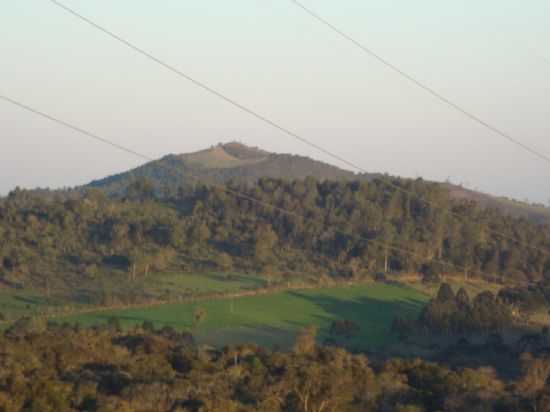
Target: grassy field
212, 282
276, 318
14, 304
26, 302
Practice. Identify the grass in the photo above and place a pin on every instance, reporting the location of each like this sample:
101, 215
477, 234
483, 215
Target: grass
212, 282
26, 302
275, 319
15, 304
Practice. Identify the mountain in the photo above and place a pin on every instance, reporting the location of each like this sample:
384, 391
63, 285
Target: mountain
222, 163
234, 160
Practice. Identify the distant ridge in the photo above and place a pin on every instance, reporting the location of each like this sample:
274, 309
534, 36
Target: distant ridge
534, 213
237, 161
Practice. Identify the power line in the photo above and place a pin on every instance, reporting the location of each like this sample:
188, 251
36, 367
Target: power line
420, 84
252, 112
200, 84
224, 188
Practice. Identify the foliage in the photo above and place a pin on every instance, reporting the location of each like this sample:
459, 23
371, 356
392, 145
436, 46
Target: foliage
199, 315
46, 242
450, 314
345, 328
68, 369
528, 299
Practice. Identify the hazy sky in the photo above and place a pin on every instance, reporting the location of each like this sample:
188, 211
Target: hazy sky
488, 56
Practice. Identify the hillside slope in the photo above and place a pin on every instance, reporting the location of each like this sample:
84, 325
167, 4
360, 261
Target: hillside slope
515, 208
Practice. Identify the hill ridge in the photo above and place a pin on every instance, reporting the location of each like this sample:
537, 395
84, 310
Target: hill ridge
237, 161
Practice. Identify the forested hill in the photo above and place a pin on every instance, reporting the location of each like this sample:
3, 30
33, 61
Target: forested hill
352, 230
235, 161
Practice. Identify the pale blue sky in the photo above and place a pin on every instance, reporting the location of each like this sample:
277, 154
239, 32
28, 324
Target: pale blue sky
485, 55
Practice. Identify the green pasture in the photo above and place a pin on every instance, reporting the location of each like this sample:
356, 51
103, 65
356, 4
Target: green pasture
200, 283
14, 304
275, 319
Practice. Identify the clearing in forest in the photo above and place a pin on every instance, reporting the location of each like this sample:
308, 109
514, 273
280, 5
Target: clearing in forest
275, 319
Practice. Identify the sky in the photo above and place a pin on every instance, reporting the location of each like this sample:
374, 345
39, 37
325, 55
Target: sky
491, 57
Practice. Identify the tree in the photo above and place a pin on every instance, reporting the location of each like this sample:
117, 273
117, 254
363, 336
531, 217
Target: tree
201, 233
135, 256
445, 293
387, 236
114, 324
265, 240
199, 315
141, 189
306, 340
345, 328
536, 373
224, 262
462, 299
269, 272
431, 272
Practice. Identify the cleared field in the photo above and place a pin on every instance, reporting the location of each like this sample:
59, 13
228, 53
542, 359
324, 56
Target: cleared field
211, 282
24, 303
275, 319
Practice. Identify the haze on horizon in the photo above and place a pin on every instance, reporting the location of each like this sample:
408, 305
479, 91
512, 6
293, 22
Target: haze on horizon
270, 56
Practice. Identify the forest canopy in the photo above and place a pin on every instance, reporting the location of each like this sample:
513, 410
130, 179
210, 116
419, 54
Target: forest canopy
347, 229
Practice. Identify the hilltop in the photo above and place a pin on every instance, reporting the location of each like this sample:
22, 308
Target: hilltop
222, 163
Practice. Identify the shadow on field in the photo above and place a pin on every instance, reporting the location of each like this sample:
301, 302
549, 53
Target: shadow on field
138, 320
266, 336
34, 300
373, 316
364, 307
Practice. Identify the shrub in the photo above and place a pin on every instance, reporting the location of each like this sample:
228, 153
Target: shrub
345, 328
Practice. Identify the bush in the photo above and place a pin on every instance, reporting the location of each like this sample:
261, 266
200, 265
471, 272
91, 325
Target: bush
431, 272
148, 326
345, 328
380, 277
431, 278
114, 324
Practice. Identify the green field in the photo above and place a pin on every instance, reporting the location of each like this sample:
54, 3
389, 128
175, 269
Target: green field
199, 283
27, 302
274, 319
24, 303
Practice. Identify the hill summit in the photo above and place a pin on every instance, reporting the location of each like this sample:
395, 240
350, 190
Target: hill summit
223, 156
221, 163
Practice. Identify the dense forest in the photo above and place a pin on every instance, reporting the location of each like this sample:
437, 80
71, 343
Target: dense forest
339, 229
66, 368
